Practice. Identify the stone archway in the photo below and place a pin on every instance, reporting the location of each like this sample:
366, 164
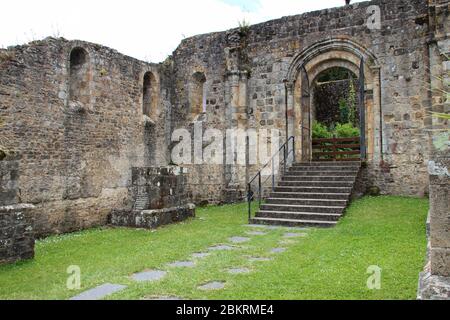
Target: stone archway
302, 73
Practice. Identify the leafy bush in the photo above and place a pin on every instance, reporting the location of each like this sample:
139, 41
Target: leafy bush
320, 131
346, 130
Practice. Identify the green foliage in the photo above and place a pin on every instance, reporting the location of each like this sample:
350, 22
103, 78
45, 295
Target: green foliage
346, 130
347, 107
320, 131
352, 104
335, 74
244, 28
343, 111
444, 116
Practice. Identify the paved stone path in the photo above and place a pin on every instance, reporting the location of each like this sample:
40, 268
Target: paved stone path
238, 270
99, 292
103, 291
259, 259
182, 264
239, 239
149, 276
294, 235
216, 285
201, 255
220, 248
256, 233
163, 298
278, 250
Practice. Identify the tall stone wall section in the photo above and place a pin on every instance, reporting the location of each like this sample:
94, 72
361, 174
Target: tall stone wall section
75, 161
257, 60
435, 280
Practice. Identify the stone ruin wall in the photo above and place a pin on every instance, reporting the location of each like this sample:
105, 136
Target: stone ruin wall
400, 155
74, 162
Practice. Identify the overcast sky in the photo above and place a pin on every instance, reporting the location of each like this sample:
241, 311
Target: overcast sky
145, 29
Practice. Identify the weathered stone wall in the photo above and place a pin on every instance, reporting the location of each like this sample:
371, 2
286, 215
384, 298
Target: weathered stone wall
73, 131
245, 70
75, 153
16, 233
159, 197
159, 187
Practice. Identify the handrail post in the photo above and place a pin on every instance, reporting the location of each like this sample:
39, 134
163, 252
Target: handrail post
293, 148
260, 189
249, 200
285, 157
273, 174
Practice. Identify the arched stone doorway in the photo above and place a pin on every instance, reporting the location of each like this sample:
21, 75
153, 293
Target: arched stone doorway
304, 70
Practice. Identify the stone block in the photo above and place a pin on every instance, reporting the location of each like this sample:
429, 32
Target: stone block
151, 219
16, 233
440, 262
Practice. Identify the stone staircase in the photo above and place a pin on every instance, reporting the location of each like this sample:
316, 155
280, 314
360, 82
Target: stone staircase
313, 194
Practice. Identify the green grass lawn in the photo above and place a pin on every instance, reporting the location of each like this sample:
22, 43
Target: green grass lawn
388, 232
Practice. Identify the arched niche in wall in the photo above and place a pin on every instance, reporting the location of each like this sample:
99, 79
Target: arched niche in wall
197, 94
79, 76
150, 96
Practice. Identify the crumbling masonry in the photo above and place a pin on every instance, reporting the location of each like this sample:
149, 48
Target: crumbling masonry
77, 117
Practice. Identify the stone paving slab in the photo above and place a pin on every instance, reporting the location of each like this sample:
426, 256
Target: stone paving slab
239, 239
200, 255
287, 242
163, 298
149, 276
259, 259
278, 250
220, 248
215, 285
182, 264
238, 270
295, 235
99, 292
256, 233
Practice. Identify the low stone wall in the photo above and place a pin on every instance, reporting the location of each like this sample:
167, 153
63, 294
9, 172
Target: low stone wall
151, 219
16, 233
160, 197
159, 187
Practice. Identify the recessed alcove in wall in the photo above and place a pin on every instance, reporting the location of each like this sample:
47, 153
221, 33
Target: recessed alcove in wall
197, 94
150, 96
79, 76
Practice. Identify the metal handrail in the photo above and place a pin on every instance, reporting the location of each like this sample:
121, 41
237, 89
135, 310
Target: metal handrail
286, 153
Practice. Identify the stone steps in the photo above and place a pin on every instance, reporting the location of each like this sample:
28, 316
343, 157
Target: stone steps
323, 168
309, 202
310, 195
319, 178
313, 189
316, 184
293, 222
328, 164
291, 215
302, 208
318, 173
